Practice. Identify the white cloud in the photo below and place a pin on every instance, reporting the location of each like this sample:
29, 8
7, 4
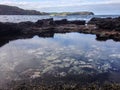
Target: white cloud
53, 3
60, 5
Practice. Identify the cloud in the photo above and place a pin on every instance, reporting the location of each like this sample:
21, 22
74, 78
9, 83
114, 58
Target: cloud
65, 5
108, 9
52, 3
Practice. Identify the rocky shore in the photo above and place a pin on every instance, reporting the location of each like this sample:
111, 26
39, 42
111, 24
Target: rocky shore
40, 78
103, 28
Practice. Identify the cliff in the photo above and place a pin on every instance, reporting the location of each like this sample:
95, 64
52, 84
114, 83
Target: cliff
13, 10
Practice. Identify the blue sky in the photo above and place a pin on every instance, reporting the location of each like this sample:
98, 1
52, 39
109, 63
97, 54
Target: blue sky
96, 6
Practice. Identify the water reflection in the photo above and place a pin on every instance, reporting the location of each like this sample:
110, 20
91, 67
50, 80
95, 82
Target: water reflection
6, 39
65, 54
34, 18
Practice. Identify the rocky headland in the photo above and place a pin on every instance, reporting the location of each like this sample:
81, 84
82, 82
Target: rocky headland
13, 10
71, 13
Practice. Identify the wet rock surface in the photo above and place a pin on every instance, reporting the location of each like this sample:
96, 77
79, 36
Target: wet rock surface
40, 26
59, 68
106, 23
108, 28
103, 28
9, 29
39, 64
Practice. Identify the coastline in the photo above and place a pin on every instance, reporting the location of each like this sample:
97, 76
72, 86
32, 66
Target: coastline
103, 31
47, 28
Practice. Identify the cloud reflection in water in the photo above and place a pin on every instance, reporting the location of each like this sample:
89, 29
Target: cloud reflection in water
70, 53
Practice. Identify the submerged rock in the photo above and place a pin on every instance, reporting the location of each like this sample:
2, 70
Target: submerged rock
51, 58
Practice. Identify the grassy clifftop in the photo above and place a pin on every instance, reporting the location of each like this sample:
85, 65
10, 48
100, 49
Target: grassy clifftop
71, 13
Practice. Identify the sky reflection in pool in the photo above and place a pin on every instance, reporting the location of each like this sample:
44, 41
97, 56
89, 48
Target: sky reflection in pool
70, 53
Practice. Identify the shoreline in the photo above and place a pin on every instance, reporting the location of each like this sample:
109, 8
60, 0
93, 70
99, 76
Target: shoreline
47, 28
102, 28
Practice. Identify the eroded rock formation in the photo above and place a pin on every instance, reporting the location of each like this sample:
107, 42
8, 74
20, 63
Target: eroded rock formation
103, 28
106, 23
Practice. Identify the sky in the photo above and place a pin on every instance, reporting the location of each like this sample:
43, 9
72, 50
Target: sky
99, 7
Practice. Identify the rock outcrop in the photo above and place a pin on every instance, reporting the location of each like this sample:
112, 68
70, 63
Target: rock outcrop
9, 29
47, 28
44, 25
106, 23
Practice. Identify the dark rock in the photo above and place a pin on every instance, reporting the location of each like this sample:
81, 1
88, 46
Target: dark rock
106, 23
9, 29
45, 22
39, 23
26, 24
105, 36
60, 22
108, 28
77, 22
64, 21
48, 21
5, 39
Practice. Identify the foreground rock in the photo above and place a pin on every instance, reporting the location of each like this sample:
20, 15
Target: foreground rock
106, 23
108, 28
41, 26
9, 29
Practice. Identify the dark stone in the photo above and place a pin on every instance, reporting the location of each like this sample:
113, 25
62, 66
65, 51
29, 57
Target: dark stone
39, 23
60, 22
109, 27
106, 23
9, 29
77, 22
45, 22
26, 24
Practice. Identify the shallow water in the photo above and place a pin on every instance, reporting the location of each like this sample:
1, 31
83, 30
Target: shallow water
59, 56
34, 18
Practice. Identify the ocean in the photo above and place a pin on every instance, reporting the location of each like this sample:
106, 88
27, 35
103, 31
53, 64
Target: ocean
34, 18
